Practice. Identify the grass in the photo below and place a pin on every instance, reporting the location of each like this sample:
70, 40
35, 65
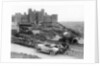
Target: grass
76, 51
22, 55
76, 26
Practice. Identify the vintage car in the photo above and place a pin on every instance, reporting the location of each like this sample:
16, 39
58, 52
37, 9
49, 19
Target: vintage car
51, 49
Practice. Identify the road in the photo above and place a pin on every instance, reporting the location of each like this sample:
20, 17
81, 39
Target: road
32, 51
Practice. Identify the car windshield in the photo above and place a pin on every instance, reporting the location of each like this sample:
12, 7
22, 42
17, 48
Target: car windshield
51, 45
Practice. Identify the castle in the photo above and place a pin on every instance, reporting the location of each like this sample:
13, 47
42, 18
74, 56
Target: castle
34, 17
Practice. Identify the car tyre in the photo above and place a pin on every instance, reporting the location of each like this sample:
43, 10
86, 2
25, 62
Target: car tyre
38, 49
52, 53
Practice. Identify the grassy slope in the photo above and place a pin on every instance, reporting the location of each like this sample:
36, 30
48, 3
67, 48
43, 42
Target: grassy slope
76, 26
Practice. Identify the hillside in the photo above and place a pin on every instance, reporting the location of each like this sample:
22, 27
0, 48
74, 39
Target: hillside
75, 26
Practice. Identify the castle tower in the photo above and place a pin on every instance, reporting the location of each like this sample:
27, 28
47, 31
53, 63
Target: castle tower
32, 16
54, 17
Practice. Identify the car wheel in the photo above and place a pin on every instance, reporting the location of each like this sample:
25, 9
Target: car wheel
52, 53
38, 49
57, 53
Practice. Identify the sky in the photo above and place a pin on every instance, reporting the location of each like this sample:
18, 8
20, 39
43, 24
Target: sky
65, 11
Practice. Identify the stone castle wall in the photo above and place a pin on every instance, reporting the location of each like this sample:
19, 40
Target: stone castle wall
34, 17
